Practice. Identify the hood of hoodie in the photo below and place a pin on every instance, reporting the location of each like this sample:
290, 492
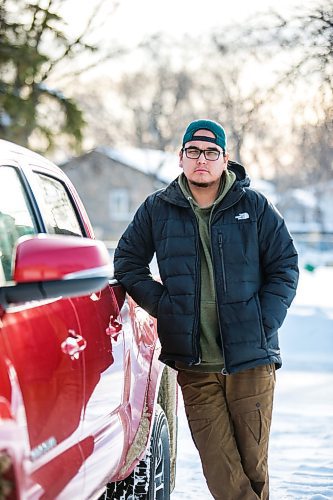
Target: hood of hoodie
240, 172
173, 194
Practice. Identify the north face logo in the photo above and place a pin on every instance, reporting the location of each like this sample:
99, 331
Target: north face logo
242, 216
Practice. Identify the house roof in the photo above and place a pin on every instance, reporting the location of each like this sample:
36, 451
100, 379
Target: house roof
165, 166
302, 197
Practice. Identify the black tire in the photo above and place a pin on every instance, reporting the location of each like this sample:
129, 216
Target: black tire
159, 485
150, 480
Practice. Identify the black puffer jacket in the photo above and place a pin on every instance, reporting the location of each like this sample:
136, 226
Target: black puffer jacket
255, 265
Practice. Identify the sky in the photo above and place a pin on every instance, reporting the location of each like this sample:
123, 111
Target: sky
186, 16
134, 20
301, 443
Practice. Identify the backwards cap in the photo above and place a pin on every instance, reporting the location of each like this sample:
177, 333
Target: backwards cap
214, 127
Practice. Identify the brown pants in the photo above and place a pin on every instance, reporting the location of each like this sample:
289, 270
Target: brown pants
229, 418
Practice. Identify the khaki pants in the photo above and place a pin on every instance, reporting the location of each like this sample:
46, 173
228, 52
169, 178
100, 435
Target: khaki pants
229, 418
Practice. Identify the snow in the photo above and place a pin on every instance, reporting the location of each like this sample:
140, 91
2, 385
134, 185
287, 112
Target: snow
305, 197
301, 444
149, 161
265, 187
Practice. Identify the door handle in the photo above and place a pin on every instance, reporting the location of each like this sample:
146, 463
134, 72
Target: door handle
114, 328
73, 345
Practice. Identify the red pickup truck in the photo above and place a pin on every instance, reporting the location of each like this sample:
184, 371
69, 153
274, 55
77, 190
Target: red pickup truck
86, 409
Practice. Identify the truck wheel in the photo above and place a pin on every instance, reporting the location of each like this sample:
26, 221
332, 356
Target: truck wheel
150, 480
159, 484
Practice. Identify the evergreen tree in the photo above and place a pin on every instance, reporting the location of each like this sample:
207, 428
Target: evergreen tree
32, 43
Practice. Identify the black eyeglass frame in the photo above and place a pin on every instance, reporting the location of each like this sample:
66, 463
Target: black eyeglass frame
204, 151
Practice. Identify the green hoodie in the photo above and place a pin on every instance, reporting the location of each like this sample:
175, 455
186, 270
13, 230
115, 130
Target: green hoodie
210, 340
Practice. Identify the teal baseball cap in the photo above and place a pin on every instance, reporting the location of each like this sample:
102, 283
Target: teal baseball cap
220, 138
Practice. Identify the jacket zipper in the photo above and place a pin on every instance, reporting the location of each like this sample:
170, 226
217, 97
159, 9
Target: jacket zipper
196, 339
220, 240
220, 245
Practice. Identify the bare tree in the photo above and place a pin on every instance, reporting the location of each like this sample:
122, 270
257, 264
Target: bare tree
146, 107
304, 41
297, 53
149, 107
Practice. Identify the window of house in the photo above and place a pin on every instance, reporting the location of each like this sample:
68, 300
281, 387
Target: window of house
59, 214
119, 204
16, 218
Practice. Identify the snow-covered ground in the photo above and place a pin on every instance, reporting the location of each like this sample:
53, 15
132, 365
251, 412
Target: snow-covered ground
301, 445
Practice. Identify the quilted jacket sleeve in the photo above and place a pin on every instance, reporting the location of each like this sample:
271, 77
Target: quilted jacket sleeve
279, 266
133, 255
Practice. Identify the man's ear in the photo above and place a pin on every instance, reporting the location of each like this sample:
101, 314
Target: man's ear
181, 153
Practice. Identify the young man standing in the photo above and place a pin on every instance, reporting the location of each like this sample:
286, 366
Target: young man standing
229, 272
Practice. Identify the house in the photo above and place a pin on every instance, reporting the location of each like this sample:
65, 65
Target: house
301, 211
324, 194
308, 210
309, 216
113, 183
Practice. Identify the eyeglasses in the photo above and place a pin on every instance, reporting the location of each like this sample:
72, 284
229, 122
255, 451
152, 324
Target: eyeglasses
195, 153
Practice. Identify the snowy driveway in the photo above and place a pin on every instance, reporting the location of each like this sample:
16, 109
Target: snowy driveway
301, 446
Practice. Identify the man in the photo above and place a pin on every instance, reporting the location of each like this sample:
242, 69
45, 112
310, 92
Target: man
228, 271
